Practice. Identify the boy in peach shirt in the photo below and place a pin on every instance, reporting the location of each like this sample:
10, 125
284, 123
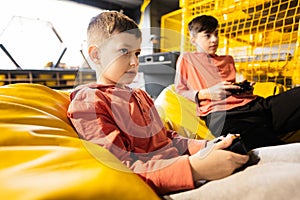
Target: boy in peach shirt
207, 79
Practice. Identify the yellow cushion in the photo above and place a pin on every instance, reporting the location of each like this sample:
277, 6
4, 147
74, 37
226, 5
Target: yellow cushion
179, 113
265, 89
42, 157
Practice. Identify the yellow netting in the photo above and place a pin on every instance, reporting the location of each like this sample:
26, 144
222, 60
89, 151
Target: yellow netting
262, 35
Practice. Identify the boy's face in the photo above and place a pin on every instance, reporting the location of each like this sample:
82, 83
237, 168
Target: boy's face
119, 59
206, 42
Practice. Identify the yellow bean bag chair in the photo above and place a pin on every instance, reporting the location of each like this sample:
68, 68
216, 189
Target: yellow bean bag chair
178, 113
42, 157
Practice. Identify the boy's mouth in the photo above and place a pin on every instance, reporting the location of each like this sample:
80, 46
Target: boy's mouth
131, 72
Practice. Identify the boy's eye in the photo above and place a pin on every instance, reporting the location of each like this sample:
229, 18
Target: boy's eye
124, 51
137, 53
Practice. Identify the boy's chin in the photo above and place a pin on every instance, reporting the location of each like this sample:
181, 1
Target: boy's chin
212, 52
126, 82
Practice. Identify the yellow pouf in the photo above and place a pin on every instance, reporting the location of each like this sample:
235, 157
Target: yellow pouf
43, 158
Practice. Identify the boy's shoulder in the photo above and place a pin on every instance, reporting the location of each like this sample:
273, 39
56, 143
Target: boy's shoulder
190, 55
92, 89
227, 58
224, 56
204, 54
204, 58
196, 53
193, 53
106, 90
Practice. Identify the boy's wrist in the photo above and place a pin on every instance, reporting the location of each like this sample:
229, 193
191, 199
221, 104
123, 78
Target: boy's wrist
201, 95
197, 98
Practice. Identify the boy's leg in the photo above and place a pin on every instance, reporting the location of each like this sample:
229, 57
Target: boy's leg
215, 123
285, 110
276, 175
251, 121
253, 135
281, 153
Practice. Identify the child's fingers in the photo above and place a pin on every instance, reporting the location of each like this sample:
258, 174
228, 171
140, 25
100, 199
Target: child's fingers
226, 142
226, 83
241, 159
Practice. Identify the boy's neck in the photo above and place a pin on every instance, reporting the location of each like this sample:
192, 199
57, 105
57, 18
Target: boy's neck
208, 54
112, 84
200, 50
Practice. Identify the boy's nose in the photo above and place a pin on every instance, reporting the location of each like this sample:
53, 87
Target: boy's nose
134, 60
214, 38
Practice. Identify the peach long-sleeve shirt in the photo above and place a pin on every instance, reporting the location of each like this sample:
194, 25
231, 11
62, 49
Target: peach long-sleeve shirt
125, 121
197, 71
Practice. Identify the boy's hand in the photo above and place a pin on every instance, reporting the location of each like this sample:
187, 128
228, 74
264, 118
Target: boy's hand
247, 93
214, 163
245, 90
217, 92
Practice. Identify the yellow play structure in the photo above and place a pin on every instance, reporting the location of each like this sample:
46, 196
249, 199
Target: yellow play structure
262, 35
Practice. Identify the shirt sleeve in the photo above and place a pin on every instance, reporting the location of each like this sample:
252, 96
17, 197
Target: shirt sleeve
181, 78
191, 146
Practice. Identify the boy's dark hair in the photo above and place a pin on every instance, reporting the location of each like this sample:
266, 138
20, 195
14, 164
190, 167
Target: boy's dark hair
201, 23
104, 25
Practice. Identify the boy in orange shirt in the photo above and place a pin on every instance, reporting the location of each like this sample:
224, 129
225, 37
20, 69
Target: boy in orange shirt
207, 79
125, 121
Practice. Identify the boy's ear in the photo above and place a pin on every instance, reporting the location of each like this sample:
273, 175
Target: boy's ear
94, 54
192, 40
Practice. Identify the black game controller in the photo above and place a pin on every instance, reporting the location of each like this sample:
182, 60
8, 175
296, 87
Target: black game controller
238, 146
245, 86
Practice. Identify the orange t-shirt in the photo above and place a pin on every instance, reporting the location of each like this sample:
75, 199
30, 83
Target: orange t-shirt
125, 121
197, 71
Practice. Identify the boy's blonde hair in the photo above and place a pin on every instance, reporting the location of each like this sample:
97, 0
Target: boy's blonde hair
107, 23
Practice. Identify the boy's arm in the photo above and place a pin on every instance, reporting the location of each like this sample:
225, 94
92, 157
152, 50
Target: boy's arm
181, 78
196, 79
163, 175
190, 146
182, 89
